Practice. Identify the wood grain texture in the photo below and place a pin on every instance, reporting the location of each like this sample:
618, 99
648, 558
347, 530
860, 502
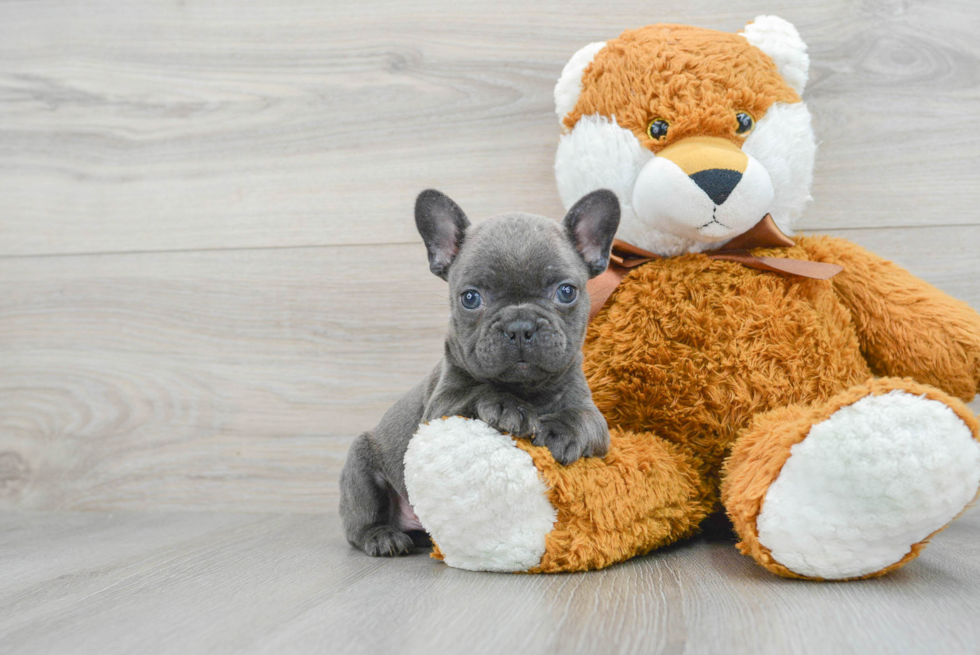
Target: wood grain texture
235, 380
204, 582
189, 125
229, 378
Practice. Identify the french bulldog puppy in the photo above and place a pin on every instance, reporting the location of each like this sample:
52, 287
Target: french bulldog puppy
513, 354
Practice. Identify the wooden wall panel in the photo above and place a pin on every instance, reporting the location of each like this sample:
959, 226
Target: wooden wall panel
227, 378
170, 126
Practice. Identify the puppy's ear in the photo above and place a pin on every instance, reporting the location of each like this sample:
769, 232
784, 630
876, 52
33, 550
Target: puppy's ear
591, 224
442, 225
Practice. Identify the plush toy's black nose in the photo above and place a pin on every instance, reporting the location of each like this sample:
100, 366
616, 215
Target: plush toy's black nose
520, 333
718, 183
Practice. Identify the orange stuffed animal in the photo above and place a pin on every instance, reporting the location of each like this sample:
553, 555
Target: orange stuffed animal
738, 369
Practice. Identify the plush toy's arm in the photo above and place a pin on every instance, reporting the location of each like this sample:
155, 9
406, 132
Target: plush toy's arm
907, 327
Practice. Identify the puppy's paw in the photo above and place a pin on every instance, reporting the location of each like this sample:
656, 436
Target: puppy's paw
508, 414
567, 444
560, 441
386, 541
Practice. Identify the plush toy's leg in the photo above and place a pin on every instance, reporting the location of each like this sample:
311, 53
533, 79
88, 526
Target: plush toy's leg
495, 503
853, 487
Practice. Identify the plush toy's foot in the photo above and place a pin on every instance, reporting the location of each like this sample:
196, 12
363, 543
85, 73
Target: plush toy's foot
494, 503
481, 498
856, 486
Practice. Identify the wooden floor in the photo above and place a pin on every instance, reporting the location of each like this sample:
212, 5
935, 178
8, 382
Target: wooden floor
210, 281
287, 583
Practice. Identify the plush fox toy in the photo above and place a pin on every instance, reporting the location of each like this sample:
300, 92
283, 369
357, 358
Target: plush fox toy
807, 387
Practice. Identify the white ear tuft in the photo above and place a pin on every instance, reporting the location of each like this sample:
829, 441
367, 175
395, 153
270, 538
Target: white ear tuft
780, 40
569, 85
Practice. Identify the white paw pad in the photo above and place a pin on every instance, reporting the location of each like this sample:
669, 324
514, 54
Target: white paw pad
866, 484
478, 495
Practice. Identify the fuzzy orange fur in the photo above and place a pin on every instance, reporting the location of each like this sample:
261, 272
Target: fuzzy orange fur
643, 493
694, 348
700, 79
907, 328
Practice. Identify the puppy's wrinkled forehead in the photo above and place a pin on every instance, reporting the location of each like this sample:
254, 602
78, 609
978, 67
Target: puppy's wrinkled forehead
517, 252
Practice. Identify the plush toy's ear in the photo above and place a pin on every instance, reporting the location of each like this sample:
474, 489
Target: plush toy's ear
591, 224
569, 85
780, 40
442, 225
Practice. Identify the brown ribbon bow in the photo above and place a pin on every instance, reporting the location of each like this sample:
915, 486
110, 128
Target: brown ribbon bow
764, 234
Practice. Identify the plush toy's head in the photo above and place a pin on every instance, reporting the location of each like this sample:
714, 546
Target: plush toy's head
700, 133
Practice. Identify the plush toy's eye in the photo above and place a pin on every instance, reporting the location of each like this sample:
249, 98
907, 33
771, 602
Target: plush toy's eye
566, 294
745, 123
470, 299
657, 129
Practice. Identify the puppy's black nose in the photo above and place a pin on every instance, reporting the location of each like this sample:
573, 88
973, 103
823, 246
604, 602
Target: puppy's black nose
520, 333
718, 183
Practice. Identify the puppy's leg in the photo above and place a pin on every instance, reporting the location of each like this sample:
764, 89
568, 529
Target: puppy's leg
573, 433
366, 505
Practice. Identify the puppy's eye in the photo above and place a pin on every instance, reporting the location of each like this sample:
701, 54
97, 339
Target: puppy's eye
745, 123
657, 129
470, 299
566, 293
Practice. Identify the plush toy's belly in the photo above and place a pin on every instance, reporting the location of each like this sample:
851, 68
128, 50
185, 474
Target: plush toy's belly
691, 348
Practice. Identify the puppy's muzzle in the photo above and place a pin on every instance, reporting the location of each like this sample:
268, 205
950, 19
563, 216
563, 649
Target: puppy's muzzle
521, 333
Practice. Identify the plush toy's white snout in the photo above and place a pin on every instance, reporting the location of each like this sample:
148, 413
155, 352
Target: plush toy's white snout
702, 188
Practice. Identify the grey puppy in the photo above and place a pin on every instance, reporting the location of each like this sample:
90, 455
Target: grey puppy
513, 354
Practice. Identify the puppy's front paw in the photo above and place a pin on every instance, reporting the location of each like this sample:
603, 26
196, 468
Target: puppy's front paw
567, 444
506, 413
560, 441
386, 541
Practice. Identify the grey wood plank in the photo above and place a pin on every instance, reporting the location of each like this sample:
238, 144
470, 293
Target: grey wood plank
167, 126
289, 583
235, 380
53, 559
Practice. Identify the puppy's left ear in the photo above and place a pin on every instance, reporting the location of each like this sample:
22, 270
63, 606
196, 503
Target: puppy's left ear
442, 225
591, 224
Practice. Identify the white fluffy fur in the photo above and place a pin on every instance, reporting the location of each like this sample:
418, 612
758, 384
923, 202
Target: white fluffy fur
599, 154
780, 40
866, 484
783, 143
569, 85
478, 495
